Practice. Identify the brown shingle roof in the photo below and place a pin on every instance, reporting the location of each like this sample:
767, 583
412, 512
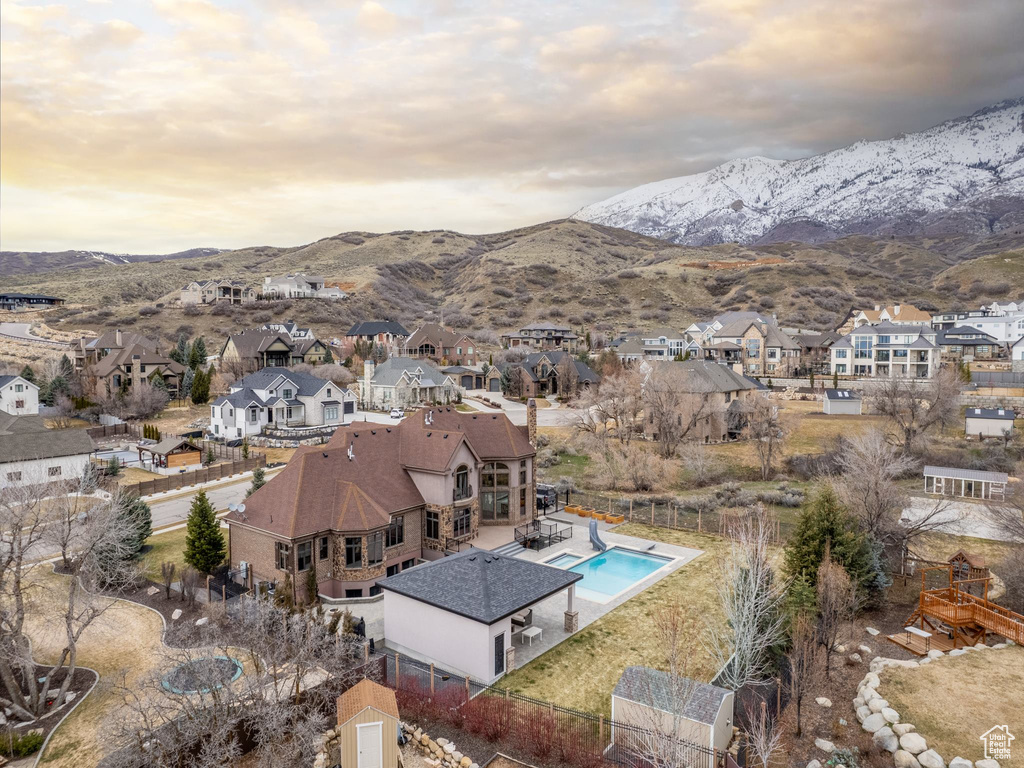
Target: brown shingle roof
366, 693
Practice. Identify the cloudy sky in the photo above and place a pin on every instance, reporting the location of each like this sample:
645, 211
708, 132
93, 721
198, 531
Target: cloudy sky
155, 125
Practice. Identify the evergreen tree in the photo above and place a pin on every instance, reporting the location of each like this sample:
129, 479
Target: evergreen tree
157, 381
28, 374
180, 353
686, 356
204, 543
245, 447
328, 355
825, 523
812, 379
211, 457
138, 513
197, 353
200, 387
67, 368
312, 588
258, 481
112, 556
186, 383
835, 380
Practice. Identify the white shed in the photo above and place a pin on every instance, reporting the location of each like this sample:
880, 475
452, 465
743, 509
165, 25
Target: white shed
842, 402
460, 612
662, 703
966, 483
988, 422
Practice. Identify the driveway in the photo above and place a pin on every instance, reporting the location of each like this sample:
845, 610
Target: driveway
555, 415
957, 518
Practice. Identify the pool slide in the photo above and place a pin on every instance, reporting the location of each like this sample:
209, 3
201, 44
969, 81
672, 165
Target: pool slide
599, 545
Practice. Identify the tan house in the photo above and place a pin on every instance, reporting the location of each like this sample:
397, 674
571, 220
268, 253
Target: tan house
542, 336
258, 348
376, 500
368, 726
765, 350
389, 334
545, 373
443, 346
897, 314
118, 361
213, 291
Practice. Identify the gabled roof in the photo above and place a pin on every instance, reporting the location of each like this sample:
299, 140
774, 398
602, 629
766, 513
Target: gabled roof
657, 333
373, 327
842, 394
557, 357
366, 693
10, 379
546, 327
951, 336
394, 369
630, 347
108, 340
122, 358
901, 312
437, 335
705, 376
241, 398
691, 699
306, 385
998, 414
975, 560
480, 585
169, 444
23, 438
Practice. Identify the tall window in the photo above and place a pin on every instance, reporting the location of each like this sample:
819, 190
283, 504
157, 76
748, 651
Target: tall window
433, 526
304, 555
353, 552
862, 347
324, 548
282, 553
753, 347
330, 413
395, 533
494, 483
375, 548
462, 521
462, 483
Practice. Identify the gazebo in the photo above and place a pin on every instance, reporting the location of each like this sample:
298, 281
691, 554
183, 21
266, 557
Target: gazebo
172, 453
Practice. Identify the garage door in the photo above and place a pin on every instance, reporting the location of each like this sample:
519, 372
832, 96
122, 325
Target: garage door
495, 385
467, 381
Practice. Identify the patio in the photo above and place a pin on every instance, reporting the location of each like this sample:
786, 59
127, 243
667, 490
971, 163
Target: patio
549, 614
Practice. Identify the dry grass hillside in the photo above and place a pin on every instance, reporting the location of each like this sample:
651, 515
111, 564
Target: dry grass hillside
605, 279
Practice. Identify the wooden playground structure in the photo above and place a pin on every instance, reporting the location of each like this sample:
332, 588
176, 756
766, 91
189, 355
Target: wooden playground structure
952, 617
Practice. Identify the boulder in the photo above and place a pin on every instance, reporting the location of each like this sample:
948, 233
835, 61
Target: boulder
877, 705
457, 756
825, 746
869, 694
822, 701
925, 660
913, 743
930, 759
855, 658
891, 715
465, 762
176, 615
858, 702
153, 591
996, 647
813, 764
902, 728
840, 649
981, 647
864, 649
425, 741
863, 713
885, 739
871, 631
934, 654
957, 652
904, 759
960, 762
986, 763
442, 741
203, 621
873, 722
449, 748
872, 679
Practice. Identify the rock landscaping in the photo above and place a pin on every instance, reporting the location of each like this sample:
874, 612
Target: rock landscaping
908, 747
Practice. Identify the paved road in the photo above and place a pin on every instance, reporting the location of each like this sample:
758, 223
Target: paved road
175, 509
21, 331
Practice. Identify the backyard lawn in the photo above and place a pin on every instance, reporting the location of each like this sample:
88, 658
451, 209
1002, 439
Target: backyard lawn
952, 701
167, 547
582, 671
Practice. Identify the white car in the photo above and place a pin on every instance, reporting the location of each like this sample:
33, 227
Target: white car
397, 413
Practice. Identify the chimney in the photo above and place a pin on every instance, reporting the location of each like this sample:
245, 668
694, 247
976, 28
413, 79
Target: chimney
117, 337
136, 370
531, 421
368, 368
878, 307
896, 309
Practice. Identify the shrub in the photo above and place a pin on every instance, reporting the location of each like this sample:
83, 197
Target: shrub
149, 311
21, 745
629, 274
504, 292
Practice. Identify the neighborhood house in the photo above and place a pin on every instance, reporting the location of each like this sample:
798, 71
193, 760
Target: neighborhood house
404, 382
31, 454
300, 286
117, 361
18, 396
214, 291
270, 346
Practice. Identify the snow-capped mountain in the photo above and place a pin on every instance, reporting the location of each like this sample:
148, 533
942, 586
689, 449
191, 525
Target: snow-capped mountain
963, 176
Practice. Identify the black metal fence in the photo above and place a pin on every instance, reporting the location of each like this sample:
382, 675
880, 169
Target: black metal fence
539, 730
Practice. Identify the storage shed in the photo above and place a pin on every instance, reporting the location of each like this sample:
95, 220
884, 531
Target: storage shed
842, 402
988, 422
368, 726
652, 700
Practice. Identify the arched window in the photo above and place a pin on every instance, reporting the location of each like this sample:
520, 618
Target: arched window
494, 482
462, 489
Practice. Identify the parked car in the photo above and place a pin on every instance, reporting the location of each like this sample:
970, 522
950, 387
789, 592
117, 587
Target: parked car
546, 496
397, 413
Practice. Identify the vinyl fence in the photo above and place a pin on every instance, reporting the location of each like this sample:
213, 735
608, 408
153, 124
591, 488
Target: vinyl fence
537, 730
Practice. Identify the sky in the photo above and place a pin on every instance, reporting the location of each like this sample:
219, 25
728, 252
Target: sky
150, 126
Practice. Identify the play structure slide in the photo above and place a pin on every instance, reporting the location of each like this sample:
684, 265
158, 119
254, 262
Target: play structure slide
599, 545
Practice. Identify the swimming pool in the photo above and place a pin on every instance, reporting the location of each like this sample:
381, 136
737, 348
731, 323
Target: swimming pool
614, 571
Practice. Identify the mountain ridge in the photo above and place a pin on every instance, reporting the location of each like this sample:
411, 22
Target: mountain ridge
963, 176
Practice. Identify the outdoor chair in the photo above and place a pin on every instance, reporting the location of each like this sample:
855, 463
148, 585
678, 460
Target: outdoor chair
523, 619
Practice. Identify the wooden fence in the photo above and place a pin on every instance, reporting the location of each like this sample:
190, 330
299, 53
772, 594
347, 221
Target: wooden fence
123, 428
199, 476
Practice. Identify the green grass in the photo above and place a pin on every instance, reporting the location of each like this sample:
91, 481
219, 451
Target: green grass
568, 466
164, 547
582, 671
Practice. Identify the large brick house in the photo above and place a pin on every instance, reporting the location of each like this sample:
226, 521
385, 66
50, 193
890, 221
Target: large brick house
258, 348
542, 374
443, 346
389, 334
117, 361
542, 336
376, 500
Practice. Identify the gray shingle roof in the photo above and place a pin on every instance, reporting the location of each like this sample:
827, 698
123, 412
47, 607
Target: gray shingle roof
23, 438
240, 399
956, 473
480, 585
999, 414
700, 702
373, 327
842, 394
388, 373
306, 384
706, 376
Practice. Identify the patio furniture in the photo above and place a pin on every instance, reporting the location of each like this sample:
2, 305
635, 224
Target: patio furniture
522, 619
532, 632
927, 636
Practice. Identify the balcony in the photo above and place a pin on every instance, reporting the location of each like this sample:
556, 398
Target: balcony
462, 494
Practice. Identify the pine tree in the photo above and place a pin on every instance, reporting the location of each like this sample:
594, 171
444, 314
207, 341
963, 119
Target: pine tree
258, 481
28, 374
245, 447
157, 381
204, 543
197, 353
812, 379
835, 380
67, 368
211, 457
200, 387
186, 383
826, 524
180, 353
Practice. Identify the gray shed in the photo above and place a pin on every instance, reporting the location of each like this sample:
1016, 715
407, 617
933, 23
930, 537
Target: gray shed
988, 422
842, 402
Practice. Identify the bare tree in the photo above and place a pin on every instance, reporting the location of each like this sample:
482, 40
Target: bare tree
868, 486
95, 541
836, 605
676, 403
167, 570
764, 429
803, 663
189, 585
1008, 515
568, 377
752, 600
616, 405
914, 408
629, 467
63, 412
700, 461
764, 737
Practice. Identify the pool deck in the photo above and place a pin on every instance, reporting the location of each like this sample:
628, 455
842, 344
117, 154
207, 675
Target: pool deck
549, 614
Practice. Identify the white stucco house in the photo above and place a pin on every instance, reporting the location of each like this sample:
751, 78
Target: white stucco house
300, 286
18, 396
31, 454
405, 382
280, 399
460, 612
1017, 355
887, 350
988, 422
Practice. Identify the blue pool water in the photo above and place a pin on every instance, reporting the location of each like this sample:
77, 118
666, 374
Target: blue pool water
616, 570
563, 560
